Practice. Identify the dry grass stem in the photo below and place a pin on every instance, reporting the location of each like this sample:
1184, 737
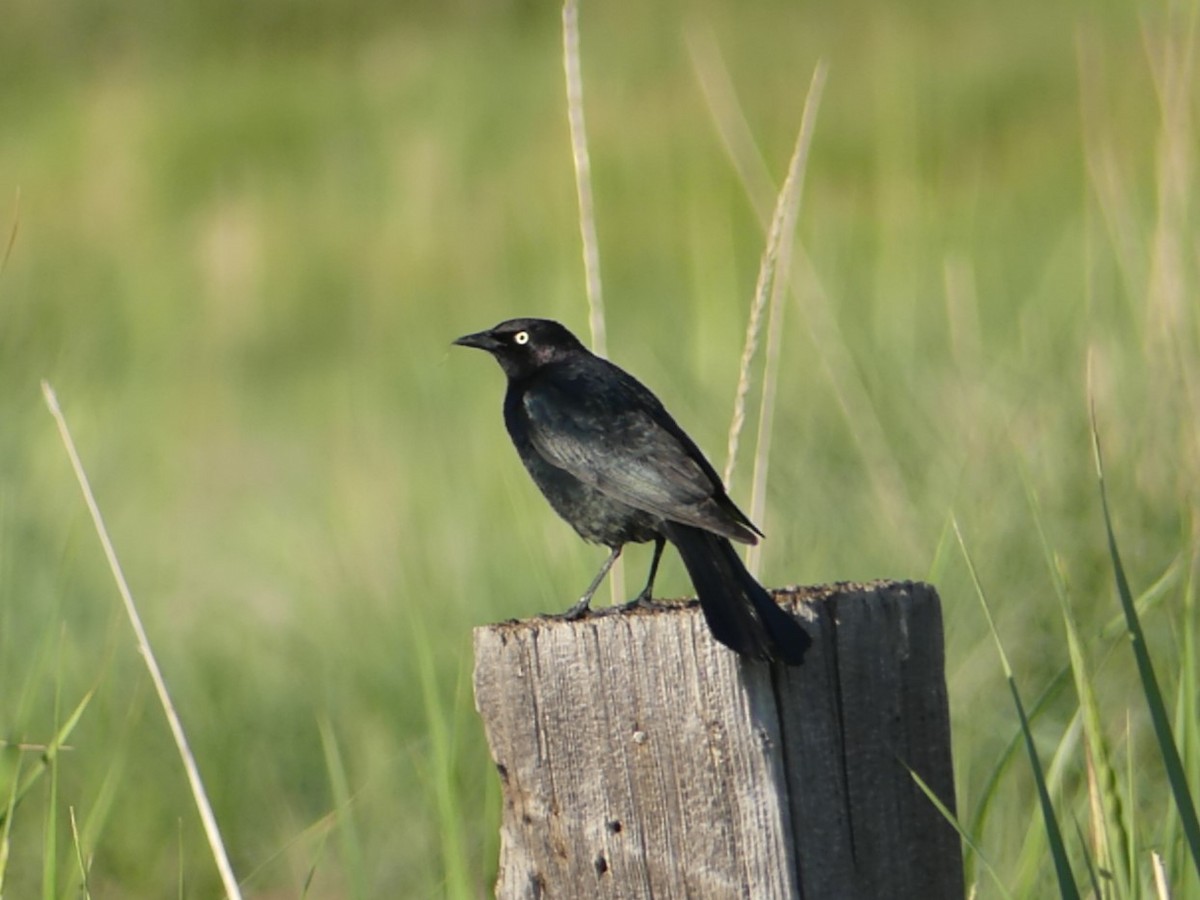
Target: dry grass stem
776, 258
583, 176
189, 761
587, 216
829, 344
1161, 889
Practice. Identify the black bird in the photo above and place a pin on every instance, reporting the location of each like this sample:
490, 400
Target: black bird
613, 463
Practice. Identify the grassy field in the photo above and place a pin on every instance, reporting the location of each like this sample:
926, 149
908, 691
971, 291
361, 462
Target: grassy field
246, 237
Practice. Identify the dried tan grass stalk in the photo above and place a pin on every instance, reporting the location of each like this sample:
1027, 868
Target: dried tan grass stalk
778, 249
211, 831
583, 176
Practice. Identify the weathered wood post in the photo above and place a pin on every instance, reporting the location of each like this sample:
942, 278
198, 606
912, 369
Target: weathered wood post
639, 758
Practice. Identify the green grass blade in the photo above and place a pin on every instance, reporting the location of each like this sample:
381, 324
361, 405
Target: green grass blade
1029, 870
50, 832
1187, 880
1131, 792
318, 855
12, 767
443, 753
80, 856
942, 552
1068, 890
88, 834
1149, 599
962, 832
352, 855
1184, 877
1009, 754
52, 749
1109, 828
1088, 863
1058, 851
1154, 700
317, 834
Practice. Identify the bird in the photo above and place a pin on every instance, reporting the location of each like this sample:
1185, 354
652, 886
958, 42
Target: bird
616, 466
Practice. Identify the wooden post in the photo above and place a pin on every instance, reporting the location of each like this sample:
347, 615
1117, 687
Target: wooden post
639, 758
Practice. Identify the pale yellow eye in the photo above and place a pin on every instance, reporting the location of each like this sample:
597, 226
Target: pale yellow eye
521, 337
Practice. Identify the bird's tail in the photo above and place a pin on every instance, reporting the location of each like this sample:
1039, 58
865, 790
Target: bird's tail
740, 613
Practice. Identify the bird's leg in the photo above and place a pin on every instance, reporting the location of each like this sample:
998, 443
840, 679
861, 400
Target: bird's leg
580, 609
644, 598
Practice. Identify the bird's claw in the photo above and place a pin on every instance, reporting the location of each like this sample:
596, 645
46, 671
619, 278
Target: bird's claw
580, 610
641, 601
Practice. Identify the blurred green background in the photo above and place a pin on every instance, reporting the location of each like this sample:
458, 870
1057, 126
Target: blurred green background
249, 232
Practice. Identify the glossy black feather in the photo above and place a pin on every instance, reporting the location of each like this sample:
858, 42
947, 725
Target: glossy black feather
595, 421
739, 611
615, 465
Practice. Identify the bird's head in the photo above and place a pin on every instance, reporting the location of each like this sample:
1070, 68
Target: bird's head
522, 346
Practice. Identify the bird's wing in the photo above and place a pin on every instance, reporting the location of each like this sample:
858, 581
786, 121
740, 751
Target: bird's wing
618, 439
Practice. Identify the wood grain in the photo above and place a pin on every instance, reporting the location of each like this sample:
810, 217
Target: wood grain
639, 758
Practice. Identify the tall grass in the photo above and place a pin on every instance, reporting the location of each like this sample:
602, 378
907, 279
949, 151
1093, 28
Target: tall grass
245, 242
199, 795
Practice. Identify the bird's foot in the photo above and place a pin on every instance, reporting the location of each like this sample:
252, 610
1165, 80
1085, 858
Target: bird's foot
641, 601
579, 611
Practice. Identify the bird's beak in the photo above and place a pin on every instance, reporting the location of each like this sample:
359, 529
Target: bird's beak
483, 340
